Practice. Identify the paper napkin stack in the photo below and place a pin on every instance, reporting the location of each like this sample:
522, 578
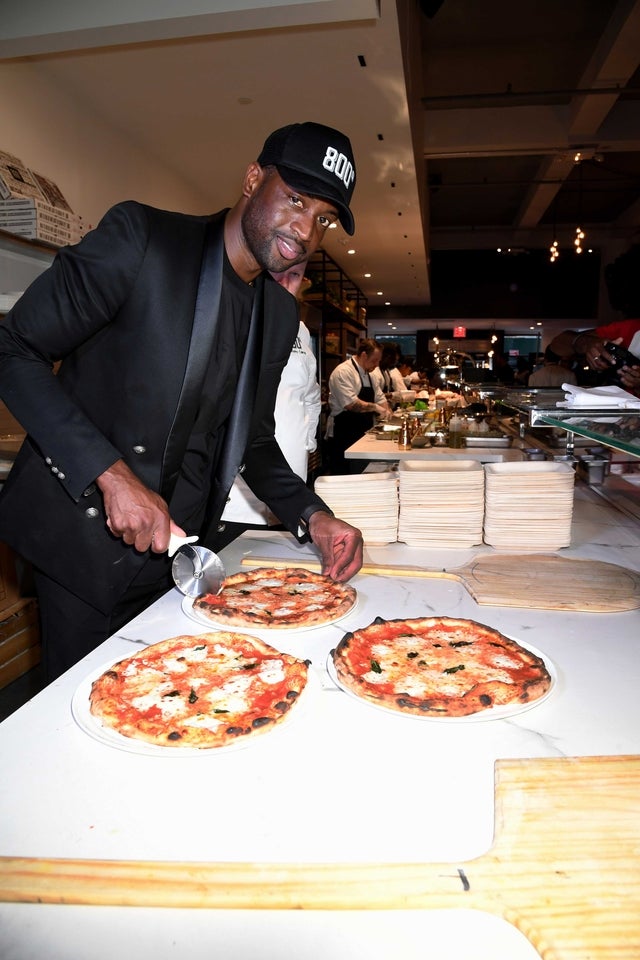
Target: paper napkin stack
369, 501
528, 506
441, 503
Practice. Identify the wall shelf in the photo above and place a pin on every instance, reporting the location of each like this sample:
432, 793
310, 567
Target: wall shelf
343, 310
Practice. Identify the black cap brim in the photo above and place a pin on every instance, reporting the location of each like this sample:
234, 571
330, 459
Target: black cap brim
318, 188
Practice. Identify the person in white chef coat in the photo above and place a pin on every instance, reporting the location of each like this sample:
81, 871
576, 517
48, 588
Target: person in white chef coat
388, 375
297, 412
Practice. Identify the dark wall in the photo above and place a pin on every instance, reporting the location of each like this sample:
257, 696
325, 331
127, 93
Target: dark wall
484, 283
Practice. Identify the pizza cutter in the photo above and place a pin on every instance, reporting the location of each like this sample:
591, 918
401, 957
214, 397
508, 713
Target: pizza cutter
196, 570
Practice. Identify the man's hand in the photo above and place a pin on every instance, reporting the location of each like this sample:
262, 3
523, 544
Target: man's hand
136, 514
339, 543
599, 358
629, 377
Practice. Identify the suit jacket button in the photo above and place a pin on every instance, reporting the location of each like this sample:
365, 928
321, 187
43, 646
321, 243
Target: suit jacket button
60, 475
222, 527
90, 489
139, 448
54, 470
91, 512
242, 468
48, 461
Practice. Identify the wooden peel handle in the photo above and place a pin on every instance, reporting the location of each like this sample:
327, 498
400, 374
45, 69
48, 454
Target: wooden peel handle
380, 570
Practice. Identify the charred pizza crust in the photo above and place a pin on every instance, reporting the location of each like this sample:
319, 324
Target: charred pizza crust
199, 691
280, 599
438, 667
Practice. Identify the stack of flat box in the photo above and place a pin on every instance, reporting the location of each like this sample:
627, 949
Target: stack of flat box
441, 503
33, 206
528, 506
368, 501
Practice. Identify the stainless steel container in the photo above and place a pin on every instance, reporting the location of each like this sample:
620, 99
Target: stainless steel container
592, 469
534, 453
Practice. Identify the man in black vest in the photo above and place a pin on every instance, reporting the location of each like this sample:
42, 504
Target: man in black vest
355, 400
172, 336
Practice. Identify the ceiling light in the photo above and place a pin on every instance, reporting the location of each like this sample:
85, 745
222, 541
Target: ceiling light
379, 292
351, 251
367, 274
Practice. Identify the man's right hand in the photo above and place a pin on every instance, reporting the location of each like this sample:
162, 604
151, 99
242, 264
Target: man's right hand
134, 512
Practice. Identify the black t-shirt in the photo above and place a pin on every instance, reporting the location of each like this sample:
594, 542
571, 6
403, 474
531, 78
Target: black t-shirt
189, 500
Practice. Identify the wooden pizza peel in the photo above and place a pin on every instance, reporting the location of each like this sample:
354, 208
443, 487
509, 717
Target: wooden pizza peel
540, 581
564, 868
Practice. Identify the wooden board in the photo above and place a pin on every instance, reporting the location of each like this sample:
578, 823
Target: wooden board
541, 581
564, 868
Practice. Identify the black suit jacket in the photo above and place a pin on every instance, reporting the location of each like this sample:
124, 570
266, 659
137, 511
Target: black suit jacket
119, 310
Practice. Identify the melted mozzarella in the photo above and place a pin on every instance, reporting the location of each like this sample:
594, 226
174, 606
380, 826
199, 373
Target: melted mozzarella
173, 665
169, 706
193, 654
204, 722
230, 695
272, 671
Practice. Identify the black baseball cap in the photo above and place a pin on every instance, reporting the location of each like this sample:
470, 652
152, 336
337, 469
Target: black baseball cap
317, 161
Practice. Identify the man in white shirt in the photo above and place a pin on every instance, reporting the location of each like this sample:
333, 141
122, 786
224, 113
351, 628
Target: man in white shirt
553, 373
388, 375
297, 412
355, 399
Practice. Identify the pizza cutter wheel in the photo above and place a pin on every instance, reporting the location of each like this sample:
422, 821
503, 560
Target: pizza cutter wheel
196, 570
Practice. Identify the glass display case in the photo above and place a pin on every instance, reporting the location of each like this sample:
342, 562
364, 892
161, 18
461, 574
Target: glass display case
616, 428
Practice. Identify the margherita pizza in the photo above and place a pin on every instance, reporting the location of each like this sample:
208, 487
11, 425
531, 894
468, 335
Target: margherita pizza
438, 667
199, 691
292, 597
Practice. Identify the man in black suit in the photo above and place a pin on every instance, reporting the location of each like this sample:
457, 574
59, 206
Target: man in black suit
172, 337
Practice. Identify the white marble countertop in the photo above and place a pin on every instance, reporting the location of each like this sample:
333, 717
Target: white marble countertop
370, 448
422, 790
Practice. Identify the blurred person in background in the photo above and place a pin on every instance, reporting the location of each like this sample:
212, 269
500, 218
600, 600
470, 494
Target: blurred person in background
554, 372
623, 287
388, 375
355, 400
297, 412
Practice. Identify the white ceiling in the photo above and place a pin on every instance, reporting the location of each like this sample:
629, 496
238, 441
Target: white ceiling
198, 84
203, 104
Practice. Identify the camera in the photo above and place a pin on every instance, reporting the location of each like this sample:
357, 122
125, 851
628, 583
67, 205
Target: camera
621, 356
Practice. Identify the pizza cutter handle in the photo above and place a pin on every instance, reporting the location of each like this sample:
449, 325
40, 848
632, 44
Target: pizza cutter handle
175, 542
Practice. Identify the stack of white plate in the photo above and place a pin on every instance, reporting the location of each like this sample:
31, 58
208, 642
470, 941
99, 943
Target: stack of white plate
369, 501
528, 505
441, 503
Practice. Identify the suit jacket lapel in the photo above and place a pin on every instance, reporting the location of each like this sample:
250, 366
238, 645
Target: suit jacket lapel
243, 404
205, 319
